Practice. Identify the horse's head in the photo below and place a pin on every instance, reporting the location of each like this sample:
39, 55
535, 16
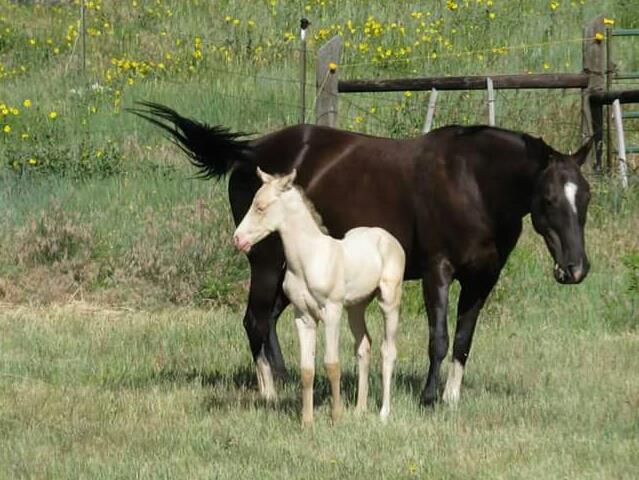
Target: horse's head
266, 213
559, 206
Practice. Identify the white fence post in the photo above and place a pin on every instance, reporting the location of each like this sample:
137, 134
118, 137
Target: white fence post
431, 111
621, 143
491, 101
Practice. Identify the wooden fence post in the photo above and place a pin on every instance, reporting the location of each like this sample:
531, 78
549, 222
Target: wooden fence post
326, 82
594, 62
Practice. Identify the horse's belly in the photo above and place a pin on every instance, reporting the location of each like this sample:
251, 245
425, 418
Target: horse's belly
363, 268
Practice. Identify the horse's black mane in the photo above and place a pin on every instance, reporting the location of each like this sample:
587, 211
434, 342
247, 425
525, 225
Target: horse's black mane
533, 144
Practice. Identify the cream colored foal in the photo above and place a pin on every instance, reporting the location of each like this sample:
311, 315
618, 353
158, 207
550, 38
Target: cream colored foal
324, 275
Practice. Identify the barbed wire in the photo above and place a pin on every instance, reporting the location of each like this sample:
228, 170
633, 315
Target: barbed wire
469, 52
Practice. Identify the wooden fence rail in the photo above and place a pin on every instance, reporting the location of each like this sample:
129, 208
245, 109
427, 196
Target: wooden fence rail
542, 80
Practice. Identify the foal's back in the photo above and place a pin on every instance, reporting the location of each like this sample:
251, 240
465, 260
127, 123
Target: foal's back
371, 255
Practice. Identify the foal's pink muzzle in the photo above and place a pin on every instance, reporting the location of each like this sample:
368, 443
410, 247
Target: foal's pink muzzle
242, 244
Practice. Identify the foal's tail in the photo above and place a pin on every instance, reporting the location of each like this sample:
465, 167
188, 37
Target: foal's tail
213, 150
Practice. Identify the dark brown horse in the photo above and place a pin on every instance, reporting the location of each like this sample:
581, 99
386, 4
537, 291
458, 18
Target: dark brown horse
455, 199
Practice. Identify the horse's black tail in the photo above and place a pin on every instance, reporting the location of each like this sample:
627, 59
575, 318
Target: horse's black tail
213, 150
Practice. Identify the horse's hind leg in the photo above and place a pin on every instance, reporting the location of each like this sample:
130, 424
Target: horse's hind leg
390, 292
266, 301
357, 323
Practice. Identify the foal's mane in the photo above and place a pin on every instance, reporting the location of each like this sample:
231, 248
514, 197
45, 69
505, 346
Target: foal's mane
311, 208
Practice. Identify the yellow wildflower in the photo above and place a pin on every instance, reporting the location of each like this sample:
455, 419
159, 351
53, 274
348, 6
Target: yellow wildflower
26, 103
491, 15
332, 67
408, 94
32, 161
599, 37
24, 136
53, 115
6, 129
608, 21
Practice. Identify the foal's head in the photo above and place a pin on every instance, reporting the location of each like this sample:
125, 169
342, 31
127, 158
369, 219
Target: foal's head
266, 213
559, 206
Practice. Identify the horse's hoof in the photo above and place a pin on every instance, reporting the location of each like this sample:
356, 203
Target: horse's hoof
428, 399
281, 375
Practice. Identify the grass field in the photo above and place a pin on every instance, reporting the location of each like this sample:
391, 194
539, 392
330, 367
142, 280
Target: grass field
122, 353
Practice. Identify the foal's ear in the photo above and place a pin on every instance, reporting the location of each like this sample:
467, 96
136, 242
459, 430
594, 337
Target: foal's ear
286, 181
265, 177
581, 155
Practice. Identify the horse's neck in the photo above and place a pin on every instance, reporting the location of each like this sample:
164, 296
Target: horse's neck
299, 232
510, 196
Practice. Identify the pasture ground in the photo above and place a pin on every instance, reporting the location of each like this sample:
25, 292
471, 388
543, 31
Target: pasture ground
552, 389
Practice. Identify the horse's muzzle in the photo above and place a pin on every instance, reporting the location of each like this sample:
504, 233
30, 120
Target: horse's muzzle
572, 274
242, 244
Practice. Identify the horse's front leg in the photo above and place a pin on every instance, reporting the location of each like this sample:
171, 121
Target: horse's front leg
435, 285
474, 291
331, 316
307, 332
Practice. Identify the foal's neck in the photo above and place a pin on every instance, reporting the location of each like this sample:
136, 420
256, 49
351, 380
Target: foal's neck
299, 231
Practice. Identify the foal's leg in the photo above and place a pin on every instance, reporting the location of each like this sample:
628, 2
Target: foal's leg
435, 287
306, 330
390, 293
331, 317
357, 323
472, 297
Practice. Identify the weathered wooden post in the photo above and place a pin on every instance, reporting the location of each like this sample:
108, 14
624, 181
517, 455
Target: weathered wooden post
594, 61
326, 77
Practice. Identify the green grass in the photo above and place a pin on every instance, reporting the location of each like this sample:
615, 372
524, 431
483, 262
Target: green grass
551, 391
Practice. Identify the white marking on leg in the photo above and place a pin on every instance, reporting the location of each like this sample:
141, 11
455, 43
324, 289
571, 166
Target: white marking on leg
265, 377
570, 190
453, 384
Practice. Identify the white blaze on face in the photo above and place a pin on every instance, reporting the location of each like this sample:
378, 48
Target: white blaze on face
570, 190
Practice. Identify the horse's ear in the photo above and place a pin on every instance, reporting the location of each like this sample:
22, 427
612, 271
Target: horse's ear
286, 181
581, 155
265, 177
